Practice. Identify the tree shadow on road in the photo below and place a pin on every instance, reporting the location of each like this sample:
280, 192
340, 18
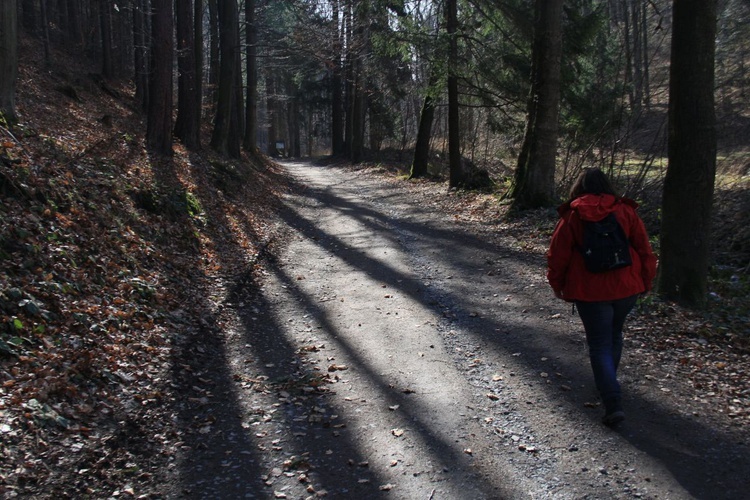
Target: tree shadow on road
707, 462
252, 402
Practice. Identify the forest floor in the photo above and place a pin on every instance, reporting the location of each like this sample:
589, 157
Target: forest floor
191, 327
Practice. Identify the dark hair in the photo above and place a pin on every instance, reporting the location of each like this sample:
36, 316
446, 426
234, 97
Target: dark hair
591, 181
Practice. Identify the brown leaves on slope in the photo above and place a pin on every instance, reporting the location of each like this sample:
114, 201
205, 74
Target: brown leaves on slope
106, 254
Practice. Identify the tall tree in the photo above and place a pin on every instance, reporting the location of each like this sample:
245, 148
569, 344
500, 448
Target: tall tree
534, 184
689, 182
75, 23
454, 130
358, 111
426, 52
337, 108
349, 59
141, 52
638, 55
214, 50
424, 133
8, 60
28, 16
273, 113
360, 53
294, 122
226, 136
251, 110
198, 40
105, 29
187, 125
159, 115
45, 32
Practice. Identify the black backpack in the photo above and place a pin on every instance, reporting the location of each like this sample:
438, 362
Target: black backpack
605, 246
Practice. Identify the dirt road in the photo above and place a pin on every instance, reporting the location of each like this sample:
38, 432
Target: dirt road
389, 352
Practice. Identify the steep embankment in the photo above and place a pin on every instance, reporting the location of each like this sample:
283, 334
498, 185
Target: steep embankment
108, 257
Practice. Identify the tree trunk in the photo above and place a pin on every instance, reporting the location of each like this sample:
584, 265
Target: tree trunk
105, 24
637, 56
63, 20
645, 76
251, 111
359, 33
214, 51
198, 51
75, 24
358, 113
140, 54
534, 184
629, 81
45, 31
123, 29
272, 112
238, 109
8, 61
454, 131
337, 110
424, 134
348, 79
28, 16
227, 133
295, 126
159, 116
310, 136
689, 182
187, 126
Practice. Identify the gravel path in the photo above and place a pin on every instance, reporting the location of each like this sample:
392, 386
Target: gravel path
391, 353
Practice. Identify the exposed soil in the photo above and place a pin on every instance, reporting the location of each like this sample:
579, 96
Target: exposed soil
387, 350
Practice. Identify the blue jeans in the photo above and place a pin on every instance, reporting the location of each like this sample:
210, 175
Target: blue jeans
603, 322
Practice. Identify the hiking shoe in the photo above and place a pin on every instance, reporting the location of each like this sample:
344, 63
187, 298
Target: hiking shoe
614, 418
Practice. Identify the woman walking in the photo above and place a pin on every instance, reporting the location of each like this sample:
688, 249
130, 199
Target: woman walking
603, 297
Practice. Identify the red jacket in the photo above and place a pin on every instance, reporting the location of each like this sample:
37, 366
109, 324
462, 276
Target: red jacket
566, 272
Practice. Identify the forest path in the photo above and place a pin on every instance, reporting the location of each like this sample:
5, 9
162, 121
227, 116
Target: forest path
391, 353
